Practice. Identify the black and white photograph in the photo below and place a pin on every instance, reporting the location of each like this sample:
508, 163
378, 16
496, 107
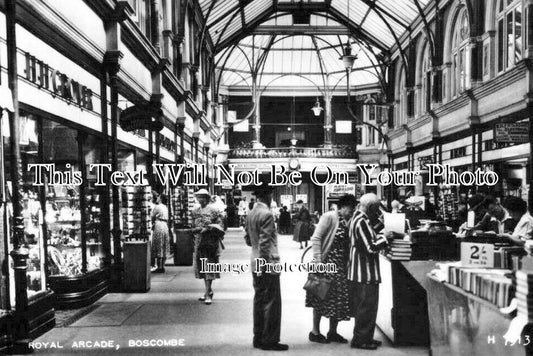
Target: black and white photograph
255, 177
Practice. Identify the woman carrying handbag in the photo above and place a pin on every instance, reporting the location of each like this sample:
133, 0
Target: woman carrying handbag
329, 294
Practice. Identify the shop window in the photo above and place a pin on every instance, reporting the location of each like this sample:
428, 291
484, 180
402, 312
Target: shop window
63, 214
92, 153
509, 27
460, 54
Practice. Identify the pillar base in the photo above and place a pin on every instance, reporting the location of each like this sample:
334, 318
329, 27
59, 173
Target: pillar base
116, 278
21, 347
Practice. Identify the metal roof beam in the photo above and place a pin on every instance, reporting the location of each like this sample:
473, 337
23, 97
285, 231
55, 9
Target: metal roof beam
242, 4
358, 30
301, 30
239, 35
375, 6
299, 6
229, 12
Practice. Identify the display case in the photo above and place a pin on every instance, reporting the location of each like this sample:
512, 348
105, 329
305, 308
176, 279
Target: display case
73, 218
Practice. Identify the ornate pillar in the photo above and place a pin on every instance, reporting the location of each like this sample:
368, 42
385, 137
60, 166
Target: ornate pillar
112, 65
181, 129
19, 253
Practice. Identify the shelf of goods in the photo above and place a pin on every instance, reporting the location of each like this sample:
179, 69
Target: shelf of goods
136, 204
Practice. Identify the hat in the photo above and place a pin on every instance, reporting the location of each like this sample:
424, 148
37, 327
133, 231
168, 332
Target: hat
202, 192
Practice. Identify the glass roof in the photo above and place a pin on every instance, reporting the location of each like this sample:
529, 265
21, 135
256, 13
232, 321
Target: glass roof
243, 31
380, 20
300, 60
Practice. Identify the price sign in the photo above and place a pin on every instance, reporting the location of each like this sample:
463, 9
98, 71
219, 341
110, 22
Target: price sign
477, 255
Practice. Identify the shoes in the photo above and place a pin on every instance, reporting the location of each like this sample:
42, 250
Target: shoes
321, 339
157, 270
257, 345
153, 269
334, 337
202, 299
365, 346
377, 342
274, 347
208, 300
301, 248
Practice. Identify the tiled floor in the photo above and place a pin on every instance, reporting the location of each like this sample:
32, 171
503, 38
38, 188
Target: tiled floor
171, 311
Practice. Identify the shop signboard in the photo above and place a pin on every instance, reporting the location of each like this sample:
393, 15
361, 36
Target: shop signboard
58, 83
477, 255
141, 117
424, 161
335, 191
512, 132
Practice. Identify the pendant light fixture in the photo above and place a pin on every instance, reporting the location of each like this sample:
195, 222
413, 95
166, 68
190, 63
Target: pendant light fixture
317, 109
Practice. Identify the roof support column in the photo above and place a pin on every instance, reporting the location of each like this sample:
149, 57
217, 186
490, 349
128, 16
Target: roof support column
256, 117
328, 124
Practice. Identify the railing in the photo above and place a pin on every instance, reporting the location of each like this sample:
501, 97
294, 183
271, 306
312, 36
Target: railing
287, 152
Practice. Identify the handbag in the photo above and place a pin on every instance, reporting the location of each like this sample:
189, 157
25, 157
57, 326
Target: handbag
316, 285
211, 239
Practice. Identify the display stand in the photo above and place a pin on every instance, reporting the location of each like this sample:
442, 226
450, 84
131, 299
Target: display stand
136, 266
402, 313
463, 324
183, 255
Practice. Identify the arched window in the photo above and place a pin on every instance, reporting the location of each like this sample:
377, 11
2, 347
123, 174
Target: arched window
424, 83
401, 95
371, 115
460, 74
509, 37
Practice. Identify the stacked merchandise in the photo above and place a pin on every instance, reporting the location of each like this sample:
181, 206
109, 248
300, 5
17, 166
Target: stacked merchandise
524, 293
191, 203
400, 250
137, 218
507, 256
493, 285
448, 209
524, 287
179, 207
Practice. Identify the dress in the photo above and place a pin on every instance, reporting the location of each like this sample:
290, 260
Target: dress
303, 228
202, 217
160, 235
337, 302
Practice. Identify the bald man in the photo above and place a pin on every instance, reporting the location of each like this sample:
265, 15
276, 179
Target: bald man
363, 271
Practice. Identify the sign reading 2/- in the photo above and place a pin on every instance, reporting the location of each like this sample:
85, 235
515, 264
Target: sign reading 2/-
477, 255
58, 83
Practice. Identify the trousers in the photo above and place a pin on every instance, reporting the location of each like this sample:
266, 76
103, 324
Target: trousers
365, 298
267, 308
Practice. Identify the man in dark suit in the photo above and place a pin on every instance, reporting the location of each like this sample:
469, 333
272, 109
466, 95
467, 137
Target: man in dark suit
261, 236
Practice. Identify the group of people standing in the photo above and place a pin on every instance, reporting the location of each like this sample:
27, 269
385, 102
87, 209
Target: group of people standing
344, 237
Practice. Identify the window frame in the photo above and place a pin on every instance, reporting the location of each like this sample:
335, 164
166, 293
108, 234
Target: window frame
506, 45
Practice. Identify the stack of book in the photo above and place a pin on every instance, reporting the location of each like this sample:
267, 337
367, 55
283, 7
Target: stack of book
524, 294
400, 250
493, 285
